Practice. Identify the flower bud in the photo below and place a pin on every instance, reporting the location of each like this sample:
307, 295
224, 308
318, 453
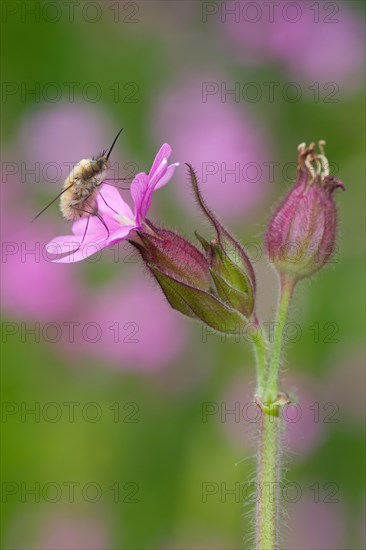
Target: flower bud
218, 288
230, 267
301, 237
176, 256
183, 274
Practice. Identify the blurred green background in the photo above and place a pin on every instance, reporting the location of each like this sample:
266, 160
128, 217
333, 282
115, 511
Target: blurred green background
131, 444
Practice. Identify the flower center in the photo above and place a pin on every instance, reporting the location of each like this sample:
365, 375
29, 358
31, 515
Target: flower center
124, 220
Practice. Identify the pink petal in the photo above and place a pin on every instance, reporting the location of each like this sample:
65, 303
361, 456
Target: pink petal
63, 244
120, 234
85, 250
112, 205
114, 201
163, 153
139, 190
167, 176
71, 248
146, 201
159, 173
95, 226
107, 212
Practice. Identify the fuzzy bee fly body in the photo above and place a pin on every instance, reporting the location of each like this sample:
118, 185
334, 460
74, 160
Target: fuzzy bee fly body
78, 197
81, 187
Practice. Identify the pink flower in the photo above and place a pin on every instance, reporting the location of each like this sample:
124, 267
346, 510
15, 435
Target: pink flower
241, 425
126, 336
305, 429
70, 533
227, 147
314, 46
350, 398
115, 218
58, 136
315, 524
56, 531
30, 286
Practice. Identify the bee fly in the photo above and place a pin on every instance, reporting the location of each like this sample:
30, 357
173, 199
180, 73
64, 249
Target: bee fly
78, 197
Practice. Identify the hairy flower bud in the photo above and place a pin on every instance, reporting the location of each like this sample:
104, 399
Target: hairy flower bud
218, 288
184, 276
301, 236
230, 267
175, 255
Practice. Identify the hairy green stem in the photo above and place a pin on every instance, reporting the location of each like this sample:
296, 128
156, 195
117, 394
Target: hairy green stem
268, 483
271, 428
271, 389
261, 355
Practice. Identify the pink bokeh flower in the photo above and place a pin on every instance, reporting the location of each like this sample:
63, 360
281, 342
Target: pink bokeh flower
30, 287
71, 533
324, 45
115, 218
61, 135
58, 531
225, 145
131, 327
314, 525
238, 414
304, 417
348, 398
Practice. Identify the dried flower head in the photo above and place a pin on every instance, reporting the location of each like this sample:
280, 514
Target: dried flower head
301, 236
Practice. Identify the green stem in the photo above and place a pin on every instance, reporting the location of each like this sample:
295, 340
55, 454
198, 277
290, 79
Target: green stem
268, 483
271, 390
270, 436
261, 355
